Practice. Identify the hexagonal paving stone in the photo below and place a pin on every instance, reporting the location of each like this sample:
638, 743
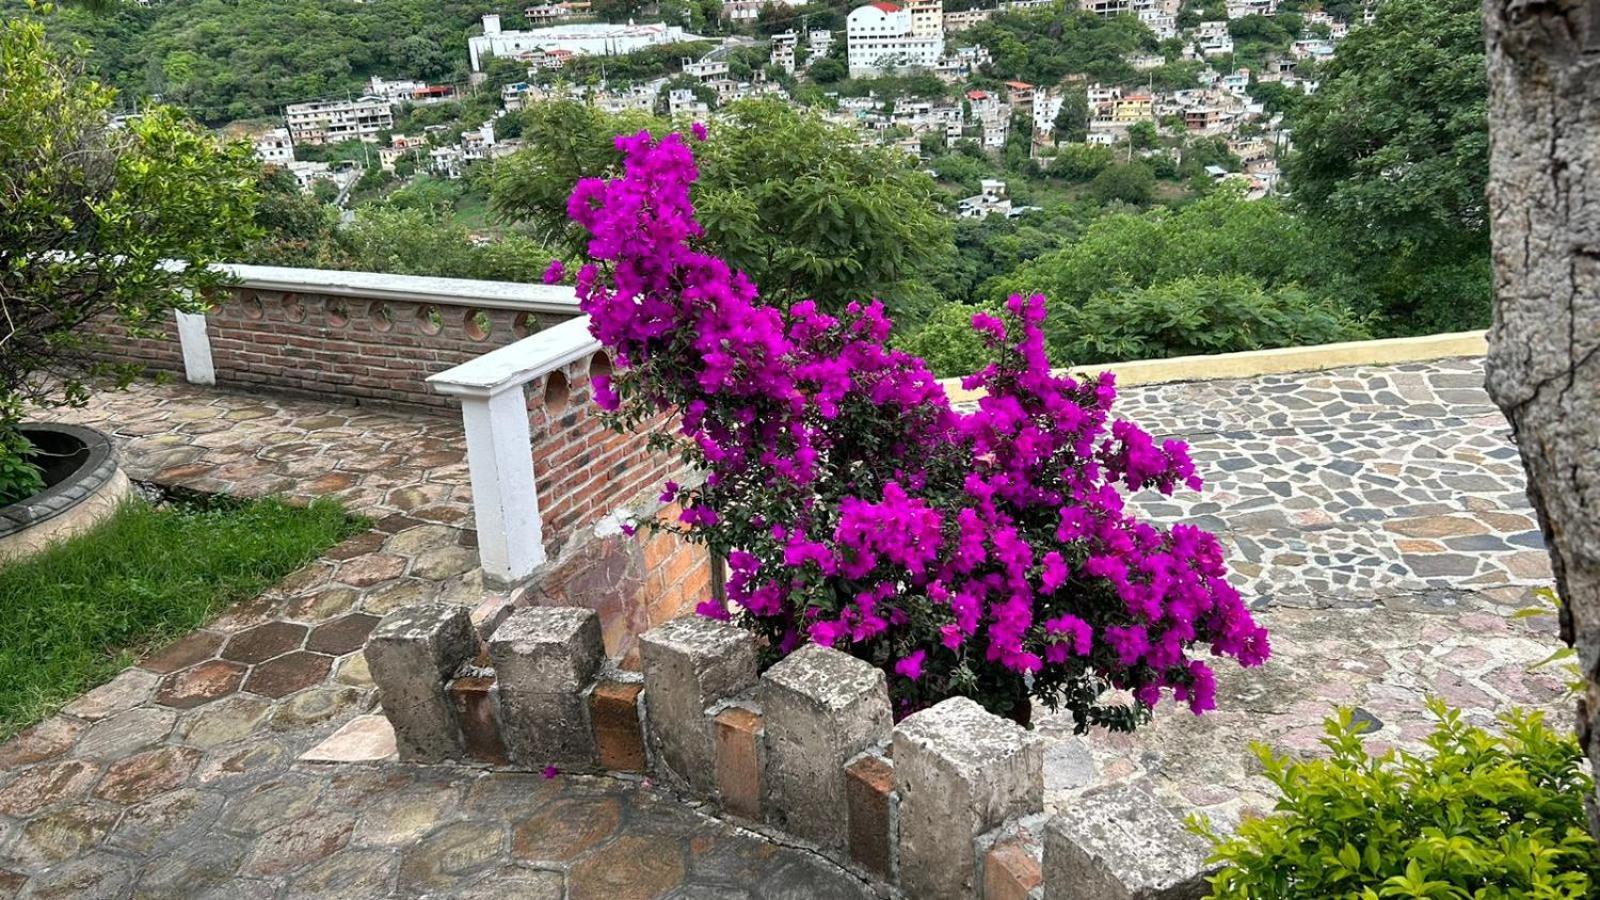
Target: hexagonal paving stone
62, 834
224, 722
289, 673
206, 864
299, 843
263, 642
170, 820
323, 604
93, 876
47, 784
369, 570
633, 867
201, 684
140, 777
123, 692
458, 849
348, 873
566, 829
346, 634
49, 739
183, 652
126, 733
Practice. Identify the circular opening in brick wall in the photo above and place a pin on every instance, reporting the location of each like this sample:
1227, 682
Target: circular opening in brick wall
382, 316
338, 313
253, 307
478, 324
555, 393
524, 324
600, 365
214, 298
429, 319
293, 309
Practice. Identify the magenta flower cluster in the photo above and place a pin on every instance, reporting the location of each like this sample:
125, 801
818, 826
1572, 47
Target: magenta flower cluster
987, 552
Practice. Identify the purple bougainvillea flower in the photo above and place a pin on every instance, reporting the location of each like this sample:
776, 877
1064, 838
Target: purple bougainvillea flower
857, 507
554, 272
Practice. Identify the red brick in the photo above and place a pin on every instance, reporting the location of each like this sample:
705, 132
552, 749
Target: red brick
1010, 872
869, 792
618, 735
737, 733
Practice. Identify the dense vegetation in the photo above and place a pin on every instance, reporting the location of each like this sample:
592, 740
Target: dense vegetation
223, 60
1478, 815
76, 615
1382, 231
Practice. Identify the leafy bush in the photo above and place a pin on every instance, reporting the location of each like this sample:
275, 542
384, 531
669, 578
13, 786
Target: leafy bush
91, 218
19, 478
1204, 314
986, 554
1480, 815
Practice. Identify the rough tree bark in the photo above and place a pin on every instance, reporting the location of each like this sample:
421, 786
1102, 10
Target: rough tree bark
1544, 348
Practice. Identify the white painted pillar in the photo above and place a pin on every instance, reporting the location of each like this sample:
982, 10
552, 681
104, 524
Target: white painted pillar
500, 444
504, 498
197, 365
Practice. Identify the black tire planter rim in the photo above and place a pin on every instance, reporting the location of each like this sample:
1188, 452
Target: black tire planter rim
85, 481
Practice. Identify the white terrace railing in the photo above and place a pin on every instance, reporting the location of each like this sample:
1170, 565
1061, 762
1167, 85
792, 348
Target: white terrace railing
494, 411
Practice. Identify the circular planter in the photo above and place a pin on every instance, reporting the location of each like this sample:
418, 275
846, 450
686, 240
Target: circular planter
83, 487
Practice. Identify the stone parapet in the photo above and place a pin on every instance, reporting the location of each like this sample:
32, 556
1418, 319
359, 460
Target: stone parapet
946, 804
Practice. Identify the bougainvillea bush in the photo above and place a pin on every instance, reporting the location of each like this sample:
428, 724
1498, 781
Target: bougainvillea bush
986, 553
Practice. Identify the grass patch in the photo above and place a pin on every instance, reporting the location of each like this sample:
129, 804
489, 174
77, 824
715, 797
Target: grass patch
82, 611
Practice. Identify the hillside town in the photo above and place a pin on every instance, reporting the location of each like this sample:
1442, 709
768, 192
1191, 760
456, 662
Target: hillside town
1187, 81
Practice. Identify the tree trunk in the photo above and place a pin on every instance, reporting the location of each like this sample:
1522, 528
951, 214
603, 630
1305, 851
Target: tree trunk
1544, 349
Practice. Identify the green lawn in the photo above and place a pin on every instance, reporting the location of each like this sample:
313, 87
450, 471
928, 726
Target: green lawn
76, 615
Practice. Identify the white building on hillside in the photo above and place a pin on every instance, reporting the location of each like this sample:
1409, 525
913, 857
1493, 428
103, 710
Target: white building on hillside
583, 39
883, 36
332, 121
275, 148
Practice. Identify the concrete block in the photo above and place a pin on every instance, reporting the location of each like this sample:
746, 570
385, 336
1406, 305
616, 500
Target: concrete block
411, 654
823, 708
547, 650
545, 658
1123, 844
546, 729
690, 664
959, 771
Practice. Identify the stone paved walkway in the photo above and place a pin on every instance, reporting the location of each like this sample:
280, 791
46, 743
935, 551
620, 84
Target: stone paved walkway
1378, 524
1376, 517
182, 777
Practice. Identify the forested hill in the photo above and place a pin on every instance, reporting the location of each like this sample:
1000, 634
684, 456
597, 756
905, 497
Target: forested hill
240, 59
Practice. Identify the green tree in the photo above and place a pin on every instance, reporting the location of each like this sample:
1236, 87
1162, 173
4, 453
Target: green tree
1392, 160
828, 71
783, 195
1072, 122
1132, 183
90, 219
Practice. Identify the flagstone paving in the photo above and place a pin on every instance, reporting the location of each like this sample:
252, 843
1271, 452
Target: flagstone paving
1377, 523
1376, 520
183, 776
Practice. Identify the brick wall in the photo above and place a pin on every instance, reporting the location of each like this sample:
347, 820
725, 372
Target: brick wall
363, 350
584, 470
351, 348
633, 583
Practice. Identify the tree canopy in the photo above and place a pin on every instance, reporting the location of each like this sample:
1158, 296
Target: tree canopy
1391, 161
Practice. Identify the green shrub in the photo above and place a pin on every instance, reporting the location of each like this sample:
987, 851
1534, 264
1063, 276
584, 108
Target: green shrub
1478, 815
1204, 314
